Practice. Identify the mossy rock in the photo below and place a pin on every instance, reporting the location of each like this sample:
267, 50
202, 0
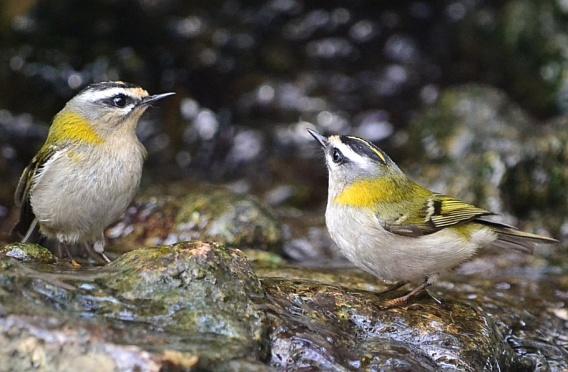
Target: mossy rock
27, 252
174, 305
219, 215
233, 219
194, 287
490, 318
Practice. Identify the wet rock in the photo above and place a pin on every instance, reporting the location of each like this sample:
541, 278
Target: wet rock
50, 344
491, 318
191, 303
239, 221
200, 305
27, 252
201, 287
329, 327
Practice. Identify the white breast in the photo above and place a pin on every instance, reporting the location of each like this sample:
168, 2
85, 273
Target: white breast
85, 189
391, 257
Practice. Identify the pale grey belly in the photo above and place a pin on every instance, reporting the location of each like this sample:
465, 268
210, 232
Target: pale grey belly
77, 201
393, 257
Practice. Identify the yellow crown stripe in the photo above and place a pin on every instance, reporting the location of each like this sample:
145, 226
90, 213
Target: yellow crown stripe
371, 147
74, 128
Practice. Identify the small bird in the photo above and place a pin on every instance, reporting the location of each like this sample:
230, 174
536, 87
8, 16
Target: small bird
398, 230
88, 170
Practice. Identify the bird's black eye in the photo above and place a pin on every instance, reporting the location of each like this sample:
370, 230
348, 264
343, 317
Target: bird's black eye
337, 156
119, 100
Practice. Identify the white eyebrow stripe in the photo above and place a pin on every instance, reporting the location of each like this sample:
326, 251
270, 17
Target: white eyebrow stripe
348, 152
351, 155
106, 93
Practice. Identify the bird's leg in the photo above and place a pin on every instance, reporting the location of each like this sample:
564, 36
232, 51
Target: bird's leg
392, 287
99, 247
64, 246
59, 250
68, 252
399, 301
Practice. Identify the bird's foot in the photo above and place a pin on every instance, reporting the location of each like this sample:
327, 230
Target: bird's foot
403, 300
60, 255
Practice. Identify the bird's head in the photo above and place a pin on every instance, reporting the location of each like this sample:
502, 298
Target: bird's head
103, 109
352, 159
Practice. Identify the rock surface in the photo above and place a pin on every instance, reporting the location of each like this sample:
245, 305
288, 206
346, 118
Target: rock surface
191, 304
27, 252
200, 305
215, 214
491, 318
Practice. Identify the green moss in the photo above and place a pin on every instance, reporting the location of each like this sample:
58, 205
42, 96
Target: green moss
264, 259
28, 252
218, 215
233, 219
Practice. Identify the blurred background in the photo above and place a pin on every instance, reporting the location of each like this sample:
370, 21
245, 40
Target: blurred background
469, 96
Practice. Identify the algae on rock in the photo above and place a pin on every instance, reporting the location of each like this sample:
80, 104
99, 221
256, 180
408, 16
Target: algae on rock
219, 215
28, 252
195, 300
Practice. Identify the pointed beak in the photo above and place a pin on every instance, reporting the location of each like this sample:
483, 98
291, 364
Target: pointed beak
155, 98
318, 137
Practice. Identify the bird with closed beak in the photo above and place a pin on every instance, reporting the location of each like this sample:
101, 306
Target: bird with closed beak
88, 170
398, 230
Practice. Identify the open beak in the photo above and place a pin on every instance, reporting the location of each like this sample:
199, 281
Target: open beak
318, 137
155, 98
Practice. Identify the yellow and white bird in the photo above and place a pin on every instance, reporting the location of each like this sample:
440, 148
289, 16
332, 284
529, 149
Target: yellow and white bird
88, 170
396, 229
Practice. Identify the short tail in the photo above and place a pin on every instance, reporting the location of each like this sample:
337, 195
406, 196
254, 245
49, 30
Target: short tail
510, 237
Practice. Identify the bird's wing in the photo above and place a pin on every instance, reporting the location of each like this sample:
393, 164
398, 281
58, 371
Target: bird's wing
34, 169
432, 213
29, 177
